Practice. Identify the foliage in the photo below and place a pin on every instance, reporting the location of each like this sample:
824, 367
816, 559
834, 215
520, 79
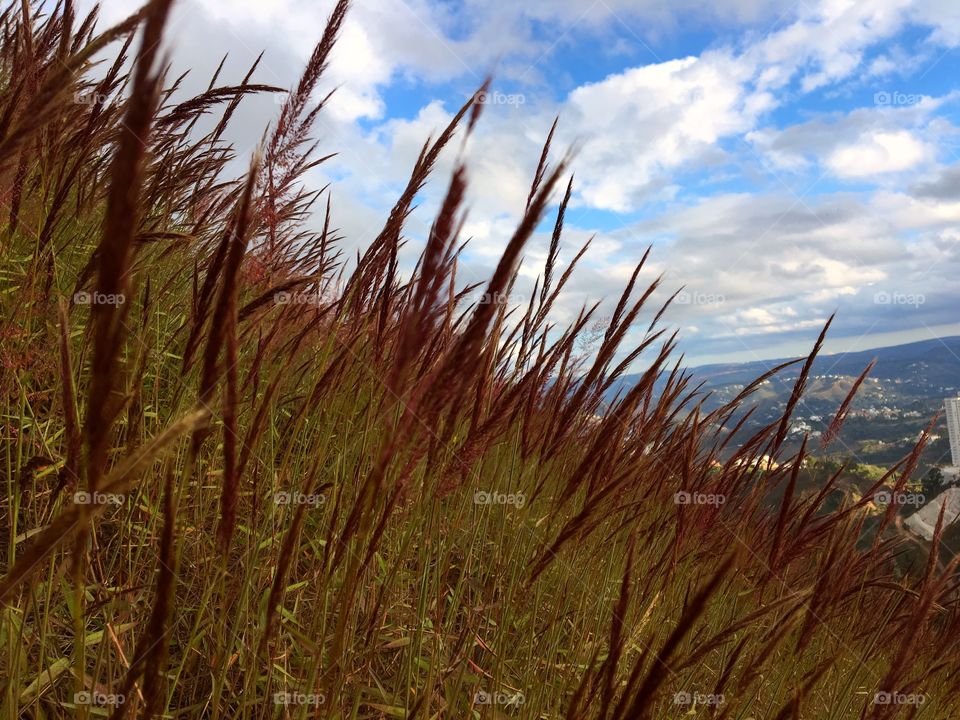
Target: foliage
247, 478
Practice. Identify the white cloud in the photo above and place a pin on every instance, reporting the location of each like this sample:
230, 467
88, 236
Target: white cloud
780, 262
641, 126
861, 143
644, 122
880, 152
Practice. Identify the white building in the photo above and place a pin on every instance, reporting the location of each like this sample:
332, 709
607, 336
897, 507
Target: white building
952, 407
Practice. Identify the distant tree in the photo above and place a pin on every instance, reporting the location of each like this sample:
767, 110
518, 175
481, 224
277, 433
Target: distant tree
826, 466
932, 482
865, 471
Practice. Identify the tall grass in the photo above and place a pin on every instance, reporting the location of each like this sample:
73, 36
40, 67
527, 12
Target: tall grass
245, 479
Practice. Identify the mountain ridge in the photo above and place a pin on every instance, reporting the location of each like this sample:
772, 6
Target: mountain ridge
933, 366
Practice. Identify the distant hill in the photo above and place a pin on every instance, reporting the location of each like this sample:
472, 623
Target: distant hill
927, 362
930, 367
903, 393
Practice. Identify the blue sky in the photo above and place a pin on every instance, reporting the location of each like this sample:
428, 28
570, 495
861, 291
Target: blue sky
785, 159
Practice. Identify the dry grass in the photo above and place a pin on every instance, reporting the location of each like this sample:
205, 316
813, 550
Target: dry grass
234, 492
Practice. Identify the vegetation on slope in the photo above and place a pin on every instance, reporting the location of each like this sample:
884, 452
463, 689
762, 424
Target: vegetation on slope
245, 478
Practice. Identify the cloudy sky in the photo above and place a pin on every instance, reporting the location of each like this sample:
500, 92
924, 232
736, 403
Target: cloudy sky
785, 159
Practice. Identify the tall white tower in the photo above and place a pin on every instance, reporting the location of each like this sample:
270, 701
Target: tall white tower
952, 406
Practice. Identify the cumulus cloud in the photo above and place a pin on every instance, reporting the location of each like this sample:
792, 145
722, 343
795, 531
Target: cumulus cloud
858, 143
660, 142
760, 268
879, 152
644, 122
